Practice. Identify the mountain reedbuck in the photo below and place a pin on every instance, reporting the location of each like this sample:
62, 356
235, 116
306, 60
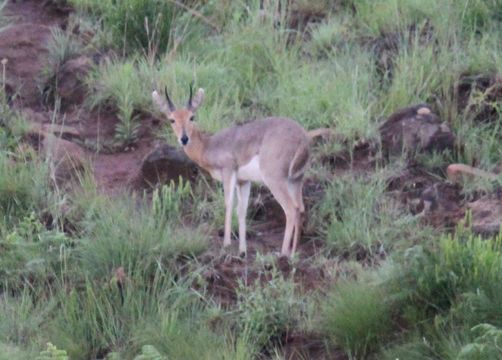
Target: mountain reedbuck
273, 151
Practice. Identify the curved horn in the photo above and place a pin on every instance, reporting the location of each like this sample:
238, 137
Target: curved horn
190, 97
169, 102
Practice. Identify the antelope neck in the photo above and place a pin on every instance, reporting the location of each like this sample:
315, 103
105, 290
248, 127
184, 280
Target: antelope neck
196, 146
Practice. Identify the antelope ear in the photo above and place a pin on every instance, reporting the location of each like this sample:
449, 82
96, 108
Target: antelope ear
198, 99
160, 102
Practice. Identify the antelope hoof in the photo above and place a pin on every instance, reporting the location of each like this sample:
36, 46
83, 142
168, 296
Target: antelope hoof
242, 254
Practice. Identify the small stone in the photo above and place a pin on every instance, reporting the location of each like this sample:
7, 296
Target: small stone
424, 111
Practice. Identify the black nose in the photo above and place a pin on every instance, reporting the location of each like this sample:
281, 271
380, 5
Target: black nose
184, 139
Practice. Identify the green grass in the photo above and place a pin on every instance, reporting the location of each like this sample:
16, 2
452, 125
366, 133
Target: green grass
135, 25
438, 294
357, 218
62, 46
13, 352
117, 86
131, 277
158, 313
22, 318
31, 254
460, 264
22, 186
269, 310
357, 318
142, 241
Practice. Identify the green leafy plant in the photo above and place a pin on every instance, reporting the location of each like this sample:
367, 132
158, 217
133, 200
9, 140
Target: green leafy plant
269, 310
31, 253
62, 46
118, 84
169, 202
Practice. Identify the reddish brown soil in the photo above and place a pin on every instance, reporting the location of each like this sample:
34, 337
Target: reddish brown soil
227, 270
442, 204
23, 44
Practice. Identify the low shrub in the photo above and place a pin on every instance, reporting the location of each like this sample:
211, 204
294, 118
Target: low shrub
268, 311
357, 317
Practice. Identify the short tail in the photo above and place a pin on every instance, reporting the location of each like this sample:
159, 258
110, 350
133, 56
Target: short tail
301, 157
312, 134
299, 162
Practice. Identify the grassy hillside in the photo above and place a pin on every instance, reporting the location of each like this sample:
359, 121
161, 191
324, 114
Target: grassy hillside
141, 275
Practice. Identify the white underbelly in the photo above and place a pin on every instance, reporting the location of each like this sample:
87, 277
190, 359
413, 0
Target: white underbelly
250, 171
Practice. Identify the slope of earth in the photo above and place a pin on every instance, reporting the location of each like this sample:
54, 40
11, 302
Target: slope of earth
24, 46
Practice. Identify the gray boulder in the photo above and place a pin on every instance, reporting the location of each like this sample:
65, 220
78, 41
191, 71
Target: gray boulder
413, 130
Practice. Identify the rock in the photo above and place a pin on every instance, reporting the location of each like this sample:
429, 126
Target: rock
459, 172
71, 86
413, 130
487, 214
66, 158
163, 164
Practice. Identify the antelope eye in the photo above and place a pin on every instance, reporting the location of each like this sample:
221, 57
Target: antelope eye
192, 118
172, 121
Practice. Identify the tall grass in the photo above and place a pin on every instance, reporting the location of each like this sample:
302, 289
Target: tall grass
134, 24
376, 17
62, 46
127, 282
141, 241
22, 317
467, 263
23, 186
358, 219
438, 294
268, 311
359, 332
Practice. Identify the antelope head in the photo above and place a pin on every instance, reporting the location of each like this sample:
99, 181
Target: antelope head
181, 119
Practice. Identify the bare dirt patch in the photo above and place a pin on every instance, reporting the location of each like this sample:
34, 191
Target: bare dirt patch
440, 203
23, 44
